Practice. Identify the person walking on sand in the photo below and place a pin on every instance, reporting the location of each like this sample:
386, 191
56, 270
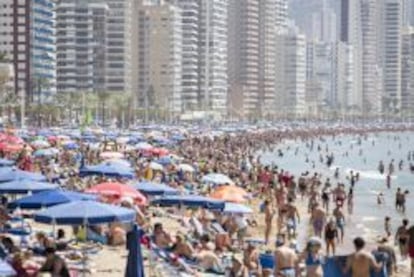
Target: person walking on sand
340, 221
269, 213
292, 218
361, 261
318, 219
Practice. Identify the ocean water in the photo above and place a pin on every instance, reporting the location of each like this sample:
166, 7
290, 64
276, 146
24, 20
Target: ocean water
367, 218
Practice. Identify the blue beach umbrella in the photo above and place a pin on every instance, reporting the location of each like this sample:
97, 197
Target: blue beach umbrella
164, 161
150, 188
190, 201
108, 169
134, 267
24, 186
50, 198
84, 213
11, 173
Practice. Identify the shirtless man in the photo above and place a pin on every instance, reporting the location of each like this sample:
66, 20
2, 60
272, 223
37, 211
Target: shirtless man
292, 214
339, 195
251, 258
318, 219
361, 261
285, 259
269, 213
340, 221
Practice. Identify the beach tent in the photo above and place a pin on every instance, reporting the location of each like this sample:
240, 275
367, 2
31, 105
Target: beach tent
190, 201
216, 179
118, 191
6, 162
84, 213
108, 169
134, 267
150, 188
12, 173
26, 186
50, 198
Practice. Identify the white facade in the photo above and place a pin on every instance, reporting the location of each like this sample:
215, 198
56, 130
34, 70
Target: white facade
190, 44
295, 73
213, 55
81, 46
343, 76
407, 76
372, 98
391, 30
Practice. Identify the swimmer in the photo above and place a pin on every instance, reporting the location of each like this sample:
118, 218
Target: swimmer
380, 198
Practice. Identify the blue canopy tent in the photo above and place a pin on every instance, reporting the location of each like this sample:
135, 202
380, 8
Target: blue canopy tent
11, 173
134, 267
107, 169
150, 188
50, 198
190, 201
5, 163
84, 213
24, 186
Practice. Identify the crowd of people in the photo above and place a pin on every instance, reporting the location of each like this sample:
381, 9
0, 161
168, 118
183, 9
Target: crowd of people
212, 235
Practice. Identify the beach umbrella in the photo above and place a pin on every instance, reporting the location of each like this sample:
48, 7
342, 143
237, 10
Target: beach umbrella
230, 194
134, 267
236, 208
25, 186
164, 161
150, 188
6, 269
122, 140
6, 162
46, 152
143, 146
118, 191
70, 145
216, 179
11, 148
12, 173
177, 137
120, 162
84, 213
38, 144
159, 151
50, 198
111, 155
156, 166
190, 201
186, 167
108, 169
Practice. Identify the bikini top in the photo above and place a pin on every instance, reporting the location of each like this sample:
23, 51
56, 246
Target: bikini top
311, 260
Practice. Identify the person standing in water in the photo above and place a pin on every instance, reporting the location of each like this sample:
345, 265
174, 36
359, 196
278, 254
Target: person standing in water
381, 167
387, 226
401, 237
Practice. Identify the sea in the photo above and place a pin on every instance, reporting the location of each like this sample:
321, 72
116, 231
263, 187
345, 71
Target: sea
359, 154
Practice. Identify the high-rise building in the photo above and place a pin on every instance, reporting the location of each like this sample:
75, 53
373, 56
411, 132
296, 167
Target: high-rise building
324, 25
190, 53
213, 55
372, 98
350, 33
243, 56
81, 42
27, 36
391, 52
121, 47
343, 76
408, 12
295, 73
160, 57
407, 75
